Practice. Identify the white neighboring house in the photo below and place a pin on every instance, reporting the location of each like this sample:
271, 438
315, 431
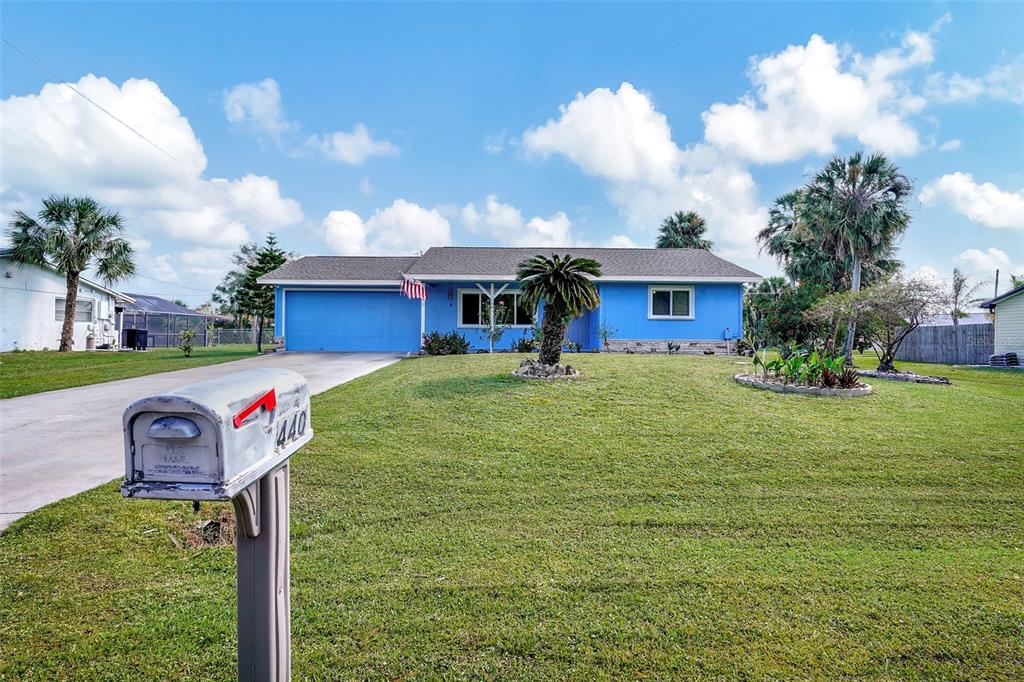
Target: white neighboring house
32, 309
1008, 310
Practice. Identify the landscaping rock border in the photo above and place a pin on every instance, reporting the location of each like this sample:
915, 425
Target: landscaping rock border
531, 369
905, 376
748, 380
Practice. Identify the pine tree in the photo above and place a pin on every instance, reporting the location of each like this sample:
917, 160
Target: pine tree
258, 299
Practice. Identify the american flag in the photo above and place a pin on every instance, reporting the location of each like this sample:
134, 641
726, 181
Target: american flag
413, 289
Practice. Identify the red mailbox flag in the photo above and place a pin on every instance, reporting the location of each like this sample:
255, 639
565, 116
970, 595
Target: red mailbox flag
267, 400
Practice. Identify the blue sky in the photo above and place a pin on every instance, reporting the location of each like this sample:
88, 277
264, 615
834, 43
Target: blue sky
387, 128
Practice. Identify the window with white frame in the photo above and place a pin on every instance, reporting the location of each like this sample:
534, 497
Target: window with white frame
83, 309
474, 309
670, 303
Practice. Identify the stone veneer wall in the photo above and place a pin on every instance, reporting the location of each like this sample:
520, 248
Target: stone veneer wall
661, 346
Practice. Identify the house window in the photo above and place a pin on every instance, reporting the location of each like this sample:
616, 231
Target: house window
83, 309
474, 310
670, 303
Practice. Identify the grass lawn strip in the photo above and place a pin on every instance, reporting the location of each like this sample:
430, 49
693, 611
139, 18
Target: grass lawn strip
653, 519
37, 371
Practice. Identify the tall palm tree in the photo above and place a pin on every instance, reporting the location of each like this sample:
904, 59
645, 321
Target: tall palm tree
70, 235
807, 253
683, 231
561, 282
858, 205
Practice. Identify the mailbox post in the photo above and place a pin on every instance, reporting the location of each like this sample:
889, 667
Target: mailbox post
230, 439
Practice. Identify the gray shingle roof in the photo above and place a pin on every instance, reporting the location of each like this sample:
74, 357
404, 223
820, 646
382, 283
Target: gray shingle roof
501, 263
343, 268
468, 260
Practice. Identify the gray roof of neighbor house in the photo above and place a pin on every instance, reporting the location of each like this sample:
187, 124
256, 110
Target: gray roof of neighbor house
992, 302
154, 304
500, 263
341, 268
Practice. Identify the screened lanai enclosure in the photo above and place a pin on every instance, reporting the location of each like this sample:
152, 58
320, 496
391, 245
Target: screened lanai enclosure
161, 320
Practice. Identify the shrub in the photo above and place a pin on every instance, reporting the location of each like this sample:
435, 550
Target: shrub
525, 344
185, 342
808, 369
605, 332
452, 343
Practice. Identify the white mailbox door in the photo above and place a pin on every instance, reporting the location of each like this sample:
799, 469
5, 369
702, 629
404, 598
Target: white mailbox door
192, 459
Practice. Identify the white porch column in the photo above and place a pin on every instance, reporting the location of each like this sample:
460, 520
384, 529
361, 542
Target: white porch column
423, 320
490, 297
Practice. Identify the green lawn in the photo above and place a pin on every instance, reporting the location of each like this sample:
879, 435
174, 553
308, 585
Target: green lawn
652, 520
38, 371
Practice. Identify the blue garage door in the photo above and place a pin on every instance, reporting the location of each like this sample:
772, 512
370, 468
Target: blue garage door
351, 321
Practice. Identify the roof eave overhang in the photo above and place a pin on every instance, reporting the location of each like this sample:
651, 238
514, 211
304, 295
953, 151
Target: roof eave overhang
332, 282
751, 279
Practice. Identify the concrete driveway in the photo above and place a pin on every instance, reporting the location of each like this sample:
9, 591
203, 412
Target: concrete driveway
56, 444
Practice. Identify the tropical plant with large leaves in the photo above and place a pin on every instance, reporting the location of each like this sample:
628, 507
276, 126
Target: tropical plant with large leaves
72, 235
564, 286
683, 230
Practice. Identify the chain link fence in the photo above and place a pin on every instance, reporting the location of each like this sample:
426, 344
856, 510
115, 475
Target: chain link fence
220, 337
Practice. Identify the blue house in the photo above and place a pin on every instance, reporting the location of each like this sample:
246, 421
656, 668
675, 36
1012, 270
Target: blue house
648, 296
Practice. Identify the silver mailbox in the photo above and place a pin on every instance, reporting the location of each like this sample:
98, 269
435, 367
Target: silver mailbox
210, 440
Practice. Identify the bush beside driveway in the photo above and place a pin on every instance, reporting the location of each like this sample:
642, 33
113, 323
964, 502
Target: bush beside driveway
654, 519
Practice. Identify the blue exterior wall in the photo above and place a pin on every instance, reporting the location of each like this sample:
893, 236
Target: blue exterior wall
278, 323
339, 319
579, 330
715, 307
443, 314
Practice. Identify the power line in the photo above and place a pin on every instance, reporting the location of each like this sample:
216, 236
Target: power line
173, 284
88, 99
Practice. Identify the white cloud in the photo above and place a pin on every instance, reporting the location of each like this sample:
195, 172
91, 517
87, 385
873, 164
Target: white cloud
807, 97
984, 203
365, 187
620, 241
985, 263
161, 267
1001, 82
505, 223
621, 137
494, 144
615, 135
258, 107
207, 261
950, 145
344, 232
403, 228
927, 273
57, 141
351, 148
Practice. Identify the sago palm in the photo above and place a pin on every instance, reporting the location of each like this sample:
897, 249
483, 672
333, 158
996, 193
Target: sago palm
858, 206
563, 285
70, 235
683, 231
